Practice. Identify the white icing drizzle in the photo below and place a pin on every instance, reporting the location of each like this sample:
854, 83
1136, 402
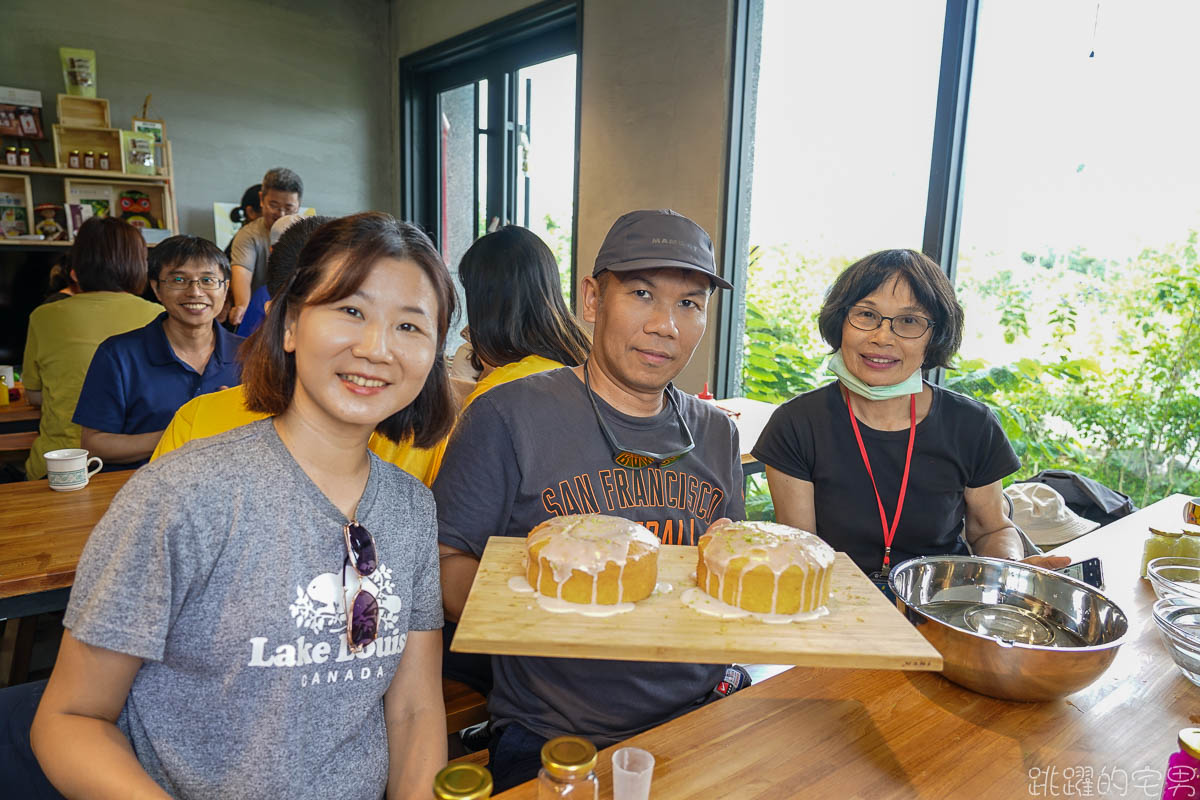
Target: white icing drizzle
588, 543
703, 602
558, 606
662, 587
769, 544
520, 585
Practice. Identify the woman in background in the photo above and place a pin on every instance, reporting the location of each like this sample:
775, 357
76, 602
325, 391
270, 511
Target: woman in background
108, 263
518, 325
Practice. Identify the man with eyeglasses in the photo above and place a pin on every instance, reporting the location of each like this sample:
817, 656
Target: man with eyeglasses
281, 193
138, 380
613, 436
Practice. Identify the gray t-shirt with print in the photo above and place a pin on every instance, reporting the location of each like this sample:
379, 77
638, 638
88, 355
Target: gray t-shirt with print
221, 566
250, 249
532, 449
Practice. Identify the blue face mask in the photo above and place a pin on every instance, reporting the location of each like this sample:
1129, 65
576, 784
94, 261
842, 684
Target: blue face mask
910, 385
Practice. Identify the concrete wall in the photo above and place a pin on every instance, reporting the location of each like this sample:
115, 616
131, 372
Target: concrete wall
243, 85
653, 111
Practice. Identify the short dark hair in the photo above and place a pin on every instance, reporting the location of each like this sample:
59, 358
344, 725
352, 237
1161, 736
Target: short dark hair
178, 250
514, 299
354, 244
929, 286
284, 180
109, 255
281, 264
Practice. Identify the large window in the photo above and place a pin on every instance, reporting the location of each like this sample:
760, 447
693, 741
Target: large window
1062, 199
488, 134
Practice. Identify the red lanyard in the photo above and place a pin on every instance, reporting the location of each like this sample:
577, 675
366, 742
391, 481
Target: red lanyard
888, 533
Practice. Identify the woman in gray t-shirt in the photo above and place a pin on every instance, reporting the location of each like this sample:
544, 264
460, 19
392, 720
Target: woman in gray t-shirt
258, 613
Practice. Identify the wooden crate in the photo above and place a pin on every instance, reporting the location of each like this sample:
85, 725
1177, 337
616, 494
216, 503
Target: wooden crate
19, 185
862, 631
83, 112
161, 208
98, 140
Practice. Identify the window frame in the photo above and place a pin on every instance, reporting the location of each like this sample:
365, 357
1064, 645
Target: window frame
495, 52
943, 208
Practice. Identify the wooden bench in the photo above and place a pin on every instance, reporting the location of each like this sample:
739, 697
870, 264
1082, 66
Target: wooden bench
464, 706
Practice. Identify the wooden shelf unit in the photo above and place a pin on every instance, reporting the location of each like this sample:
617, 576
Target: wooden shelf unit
87, 173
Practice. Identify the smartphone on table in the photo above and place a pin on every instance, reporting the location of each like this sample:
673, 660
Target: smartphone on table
1087, 571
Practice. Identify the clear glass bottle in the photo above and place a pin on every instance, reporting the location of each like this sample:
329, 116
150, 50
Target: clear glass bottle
568, 770
463, 781
1160, 545
23, 157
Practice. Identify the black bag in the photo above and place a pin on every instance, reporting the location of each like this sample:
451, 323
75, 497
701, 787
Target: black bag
1086, 497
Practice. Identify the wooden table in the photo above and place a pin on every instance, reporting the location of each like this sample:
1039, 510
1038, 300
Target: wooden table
875, 734
18, 414
42, 533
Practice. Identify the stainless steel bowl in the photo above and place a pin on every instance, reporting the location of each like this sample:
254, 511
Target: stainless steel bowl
1007, 629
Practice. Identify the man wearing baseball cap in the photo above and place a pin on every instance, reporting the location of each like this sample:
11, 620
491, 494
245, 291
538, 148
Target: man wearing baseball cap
613, 436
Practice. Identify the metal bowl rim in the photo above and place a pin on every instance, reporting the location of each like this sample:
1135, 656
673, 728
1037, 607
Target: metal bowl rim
1089, 648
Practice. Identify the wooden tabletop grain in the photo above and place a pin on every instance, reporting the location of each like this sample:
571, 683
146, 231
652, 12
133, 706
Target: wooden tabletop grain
20, 411
42, 532
879, 734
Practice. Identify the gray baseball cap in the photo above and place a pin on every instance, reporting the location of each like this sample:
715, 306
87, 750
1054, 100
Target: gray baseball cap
656, 239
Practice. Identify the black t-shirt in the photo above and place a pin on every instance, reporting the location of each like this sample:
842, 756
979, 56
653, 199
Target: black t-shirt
530, 450
958, 445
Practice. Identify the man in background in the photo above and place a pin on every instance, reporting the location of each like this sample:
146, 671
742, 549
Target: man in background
281, 192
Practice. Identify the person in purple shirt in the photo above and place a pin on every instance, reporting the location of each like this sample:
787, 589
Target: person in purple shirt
138, 380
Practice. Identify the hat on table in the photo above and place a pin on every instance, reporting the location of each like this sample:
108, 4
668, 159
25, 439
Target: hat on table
658, 239
1042, 513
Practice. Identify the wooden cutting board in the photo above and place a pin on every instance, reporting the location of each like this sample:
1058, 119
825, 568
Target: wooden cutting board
863, 629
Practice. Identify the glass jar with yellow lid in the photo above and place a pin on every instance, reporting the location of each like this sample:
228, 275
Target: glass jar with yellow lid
568, 770
1160, 544
1189, 543
463, 781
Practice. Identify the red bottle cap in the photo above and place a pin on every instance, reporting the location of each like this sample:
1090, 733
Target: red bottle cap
704, 393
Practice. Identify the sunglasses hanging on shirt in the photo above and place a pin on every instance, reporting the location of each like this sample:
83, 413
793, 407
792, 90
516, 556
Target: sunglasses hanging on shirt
638, 459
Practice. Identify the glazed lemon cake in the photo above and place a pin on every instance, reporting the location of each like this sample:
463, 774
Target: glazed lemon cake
592, 558
765, 567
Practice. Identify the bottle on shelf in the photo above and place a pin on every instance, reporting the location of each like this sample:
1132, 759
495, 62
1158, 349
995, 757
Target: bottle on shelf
104, 161
10, 156
23, 157
463, 781
89, 160
73, 159
568, 770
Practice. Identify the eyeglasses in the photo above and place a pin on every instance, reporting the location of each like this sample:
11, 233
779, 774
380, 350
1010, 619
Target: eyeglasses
362, 615
906, 326
637, 459
180, 283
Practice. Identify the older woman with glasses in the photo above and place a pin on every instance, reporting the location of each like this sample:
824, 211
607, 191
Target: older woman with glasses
138, 380
880, 463
258, 614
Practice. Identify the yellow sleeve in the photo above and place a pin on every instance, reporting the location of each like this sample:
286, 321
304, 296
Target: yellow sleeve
178, 431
